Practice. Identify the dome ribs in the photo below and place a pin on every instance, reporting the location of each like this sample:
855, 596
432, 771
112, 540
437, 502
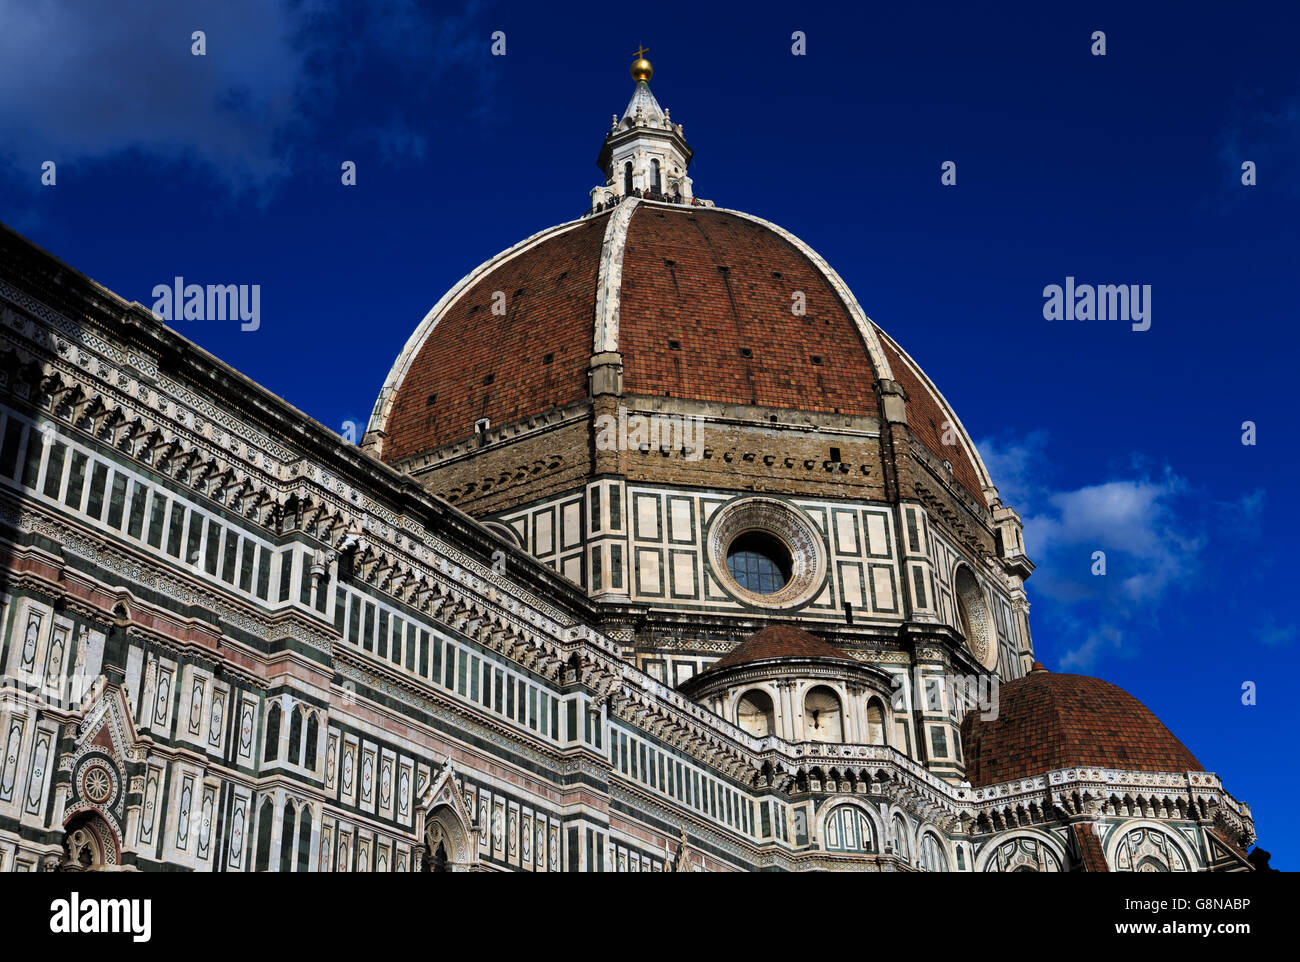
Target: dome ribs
550, 296
717, 283
926, 416
705, 312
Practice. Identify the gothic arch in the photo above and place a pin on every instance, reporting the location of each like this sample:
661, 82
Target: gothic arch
902, 833
447, 843
271, 747
448, 835
310, 748
877, 719
932, 853
90, 843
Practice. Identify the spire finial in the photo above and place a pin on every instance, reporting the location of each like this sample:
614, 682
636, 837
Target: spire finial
641, 69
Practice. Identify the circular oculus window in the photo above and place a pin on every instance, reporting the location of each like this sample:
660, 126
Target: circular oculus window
765, 553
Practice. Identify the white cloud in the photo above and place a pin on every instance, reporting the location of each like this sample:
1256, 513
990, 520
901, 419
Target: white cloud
1276, 636
1134, 522
1105, 639
1151, 525
1016, 465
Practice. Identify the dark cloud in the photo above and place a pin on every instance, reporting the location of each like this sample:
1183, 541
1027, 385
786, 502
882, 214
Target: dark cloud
1265, 129
90, 81
84, 82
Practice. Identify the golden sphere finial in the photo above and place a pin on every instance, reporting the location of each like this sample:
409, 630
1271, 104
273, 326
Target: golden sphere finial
641, 69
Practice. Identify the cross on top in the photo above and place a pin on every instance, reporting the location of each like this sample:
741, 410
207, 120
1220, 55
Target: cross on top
641, 51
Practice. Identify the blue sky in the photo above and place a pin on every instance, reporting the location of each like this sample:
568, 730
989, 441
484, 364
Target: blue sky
1117, 169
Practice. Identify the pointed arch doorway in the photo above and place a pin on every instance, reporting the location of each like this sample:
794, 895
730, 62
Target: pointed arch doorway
446, 843
449, 841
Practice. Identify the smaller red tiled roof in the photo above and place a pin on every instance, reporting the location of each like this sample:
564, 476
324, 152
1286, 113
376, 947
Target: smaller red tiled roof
1231, 843
779, 641
1090, 851
1048, 721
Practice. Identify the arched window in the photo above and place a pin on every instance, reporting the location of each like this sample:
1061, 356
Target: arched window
823, 717
286, 839
265, 823
295, 737
755, 714
272, 749
898, 829
654, 176
849, 830
313, 736
304, 838
875, 722
627, 179
931, 857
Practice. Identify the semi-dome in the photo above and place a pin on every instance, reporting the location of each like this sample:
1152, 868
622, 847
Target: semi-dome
701, 303
1048, 721
785, 642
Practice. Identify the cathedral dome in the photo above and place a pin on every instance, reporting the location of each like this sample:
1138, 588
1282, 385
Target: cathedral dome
696, 302
1049, 721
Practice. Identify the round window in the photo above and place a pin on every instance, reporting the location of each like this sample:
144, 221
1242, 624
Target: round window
766, 553
759, 562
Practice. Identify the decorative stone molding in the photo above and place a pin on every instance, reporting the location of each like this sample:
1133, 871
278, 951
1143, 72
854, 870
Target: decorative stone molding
778, 520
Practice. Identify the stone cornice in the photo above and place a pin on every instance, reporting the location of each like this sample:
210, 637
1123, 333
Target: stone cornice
325, 468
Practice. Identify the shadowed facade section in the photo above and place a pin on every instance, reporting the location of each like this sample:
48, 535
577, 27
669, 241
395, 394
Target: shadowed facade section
926, 417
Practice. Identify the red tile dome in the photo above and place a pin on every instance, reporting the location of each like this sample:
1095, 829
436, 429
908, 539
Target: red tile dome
1049, 721
466, 362
779, 641
699, 305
